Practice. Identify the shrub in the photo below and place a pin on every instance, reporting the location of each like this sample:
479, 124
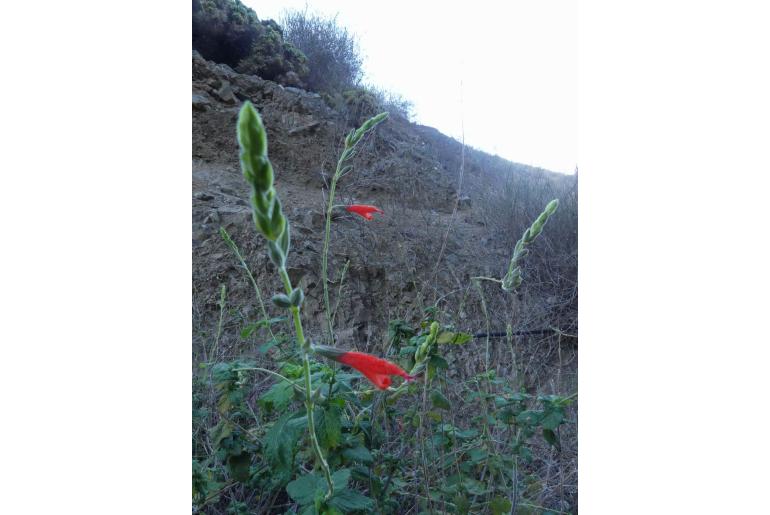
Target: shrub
362, 102
226, 31
332, 52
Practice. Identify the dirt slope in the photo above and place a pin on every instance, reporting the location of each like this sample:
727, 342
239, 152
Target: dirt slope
410, 171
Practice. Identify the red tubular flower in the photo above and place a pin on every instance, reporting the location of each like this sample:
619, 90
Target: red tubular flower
364, 210
376, 370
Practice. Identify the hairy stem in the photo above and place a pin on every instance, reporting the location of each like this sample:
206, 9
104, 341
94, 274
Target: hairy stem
231, 243
324, 256
309, 405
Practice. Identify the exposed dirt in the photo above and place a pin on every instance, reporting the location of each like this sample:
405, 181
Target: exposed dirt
410, 171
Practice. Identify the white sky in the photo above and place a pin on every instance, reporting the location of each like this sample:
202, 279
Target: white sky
516, 61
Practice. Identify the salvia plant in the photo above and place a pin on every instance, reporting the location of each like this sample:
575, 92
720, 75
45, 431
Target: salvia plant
321, 441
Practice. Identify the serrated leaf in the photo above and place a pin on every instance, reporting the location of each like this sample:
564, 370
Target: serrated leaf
500, 505
407, 351
341, 478
359, 453
268, 345
303, 489
439, 401
279, 444
462, 504
437, 362
551, 438
221, 431
477, 455
347, 500
474, 486
529, 417
553, 418
467, 434
278, 397
238, 465
330, 428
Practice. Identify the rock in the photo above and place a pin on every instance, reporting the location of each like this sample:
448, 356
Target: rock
213, 217
305, 128
225, 93
233, 214
200, 102
202, 195
314, 220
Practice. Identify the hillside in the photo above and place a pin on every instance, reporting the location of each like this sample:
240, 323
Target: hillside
449, 214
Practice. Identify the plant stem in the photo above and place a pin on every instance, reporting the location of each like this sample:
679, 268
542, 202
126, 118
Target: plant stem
221, 320
324, 256
276, 374
230, 243
304, 347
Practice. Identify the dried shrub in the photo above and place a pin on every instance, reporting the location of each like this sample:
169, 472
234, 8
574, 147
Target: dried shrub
333, 55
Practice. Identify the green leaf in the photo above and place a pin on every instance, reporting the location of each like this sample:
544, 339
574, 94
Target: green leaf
341, 478
278, 397
268, 345
474, 486
439, 401
279, 444
221, 431
238, 465
330, 428
398, 329
553, 418
551, 438
477, 455
462, 504
437, 362
529, 417
407, 351
453, 338
359, 453
500, 505
347, 500
467, 434
304, 488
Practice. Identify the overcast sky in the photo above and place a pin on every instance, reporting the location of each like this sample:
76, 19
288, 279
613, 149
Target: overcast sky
505, 71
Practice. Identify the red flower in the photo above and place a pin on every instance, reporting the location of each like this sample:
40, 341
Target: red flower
364, 210
376, 370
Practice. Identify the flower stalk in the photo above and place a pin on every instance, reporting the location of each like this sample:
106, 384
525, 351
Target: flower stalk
273, 225
512, 279
351, 140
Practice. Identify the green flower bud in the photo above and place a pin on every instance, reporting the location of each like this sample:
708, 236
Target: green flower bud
276, 254
284, 240
296, 297
281, 300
